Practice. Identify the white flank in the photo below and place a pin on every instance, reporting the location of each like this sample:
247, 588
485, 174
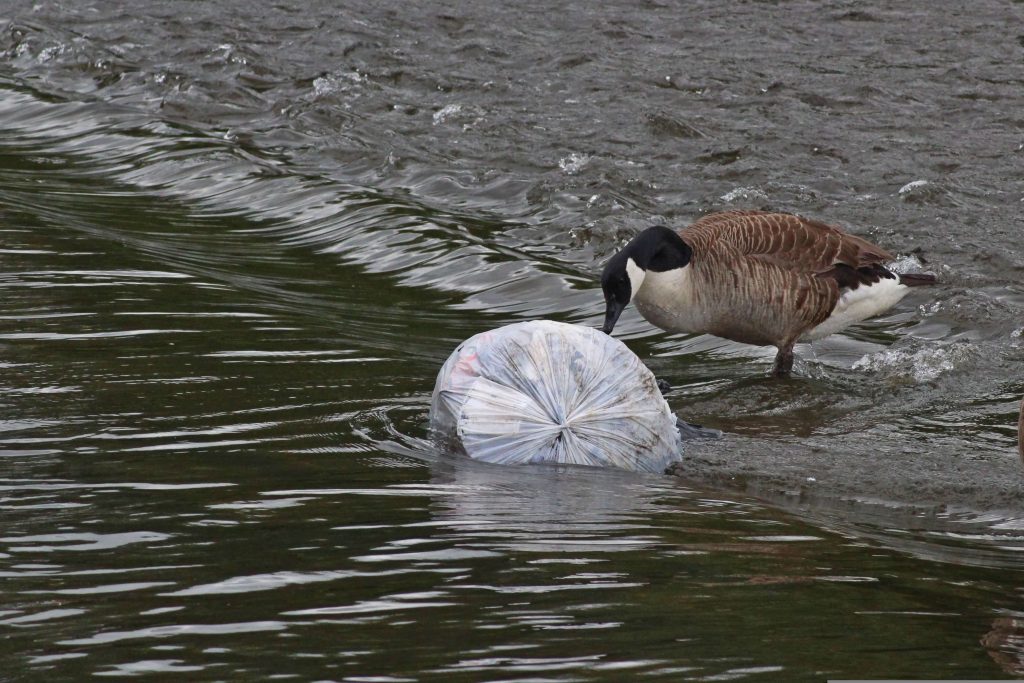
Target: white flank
859, 304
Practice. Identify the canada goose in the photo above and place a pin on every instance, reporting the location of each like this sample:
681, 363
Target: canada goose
753, 277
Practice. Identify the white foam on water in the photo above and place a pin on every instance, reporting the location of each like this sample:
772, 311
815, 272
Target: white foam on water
907, 264
744, 194
921, 365
446, 112
329, 84
911, 186
574, 163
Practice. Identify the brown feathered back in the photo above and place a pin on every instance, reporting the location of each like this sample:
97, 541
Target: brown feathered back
771, 277
788, 241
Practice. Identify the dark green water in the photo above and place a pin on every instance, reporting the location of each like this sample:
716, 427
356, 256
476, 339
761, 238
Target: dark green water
237, 242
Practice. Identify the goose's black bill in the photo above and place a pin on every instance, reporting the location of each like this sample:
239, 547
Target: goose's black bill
611, 316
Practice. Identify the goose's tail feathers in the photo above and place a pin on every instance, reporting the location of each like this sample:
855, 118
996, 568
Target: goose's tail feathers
917, 279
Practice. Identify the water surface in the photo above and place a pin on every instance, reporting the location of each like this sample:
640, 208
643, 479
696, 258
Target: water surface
237, 241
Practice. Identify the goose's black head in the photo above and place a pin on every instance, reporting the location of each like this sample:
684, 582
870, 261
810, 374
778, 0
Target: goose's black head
657, 249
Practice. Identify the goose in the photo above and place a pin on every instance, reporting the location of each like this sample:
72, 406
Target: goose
755, 277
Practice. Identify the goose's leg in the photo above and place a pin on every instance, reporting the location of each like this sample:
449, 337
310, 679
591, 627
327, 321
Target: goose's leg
783, 361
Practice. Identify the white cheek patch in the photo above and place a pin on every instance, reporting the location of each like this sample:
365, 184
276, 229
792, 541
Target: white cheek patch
636, 276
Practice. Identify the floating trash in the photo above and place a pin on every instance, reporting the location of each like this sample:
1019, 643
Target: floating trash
548, 392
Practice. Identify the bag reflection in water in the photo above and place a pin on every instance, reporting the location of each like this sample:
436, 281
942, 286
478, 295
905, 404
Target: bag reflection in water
548, 392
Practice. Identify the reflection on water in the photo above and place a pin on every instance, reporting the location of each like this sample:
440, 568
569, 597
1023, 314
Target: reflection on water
486, 569
234, 253
1005, 644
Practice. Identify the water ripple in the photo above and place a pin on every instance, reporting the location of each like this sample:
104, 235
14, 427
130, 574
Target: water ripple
174, 630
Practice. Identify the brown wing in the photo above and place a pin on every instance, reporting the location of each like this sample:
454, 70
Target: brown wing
785, 240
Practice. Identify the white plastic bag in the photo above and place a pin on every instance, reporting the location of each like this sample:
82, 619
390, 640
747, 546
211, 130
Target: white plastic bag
548, 392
